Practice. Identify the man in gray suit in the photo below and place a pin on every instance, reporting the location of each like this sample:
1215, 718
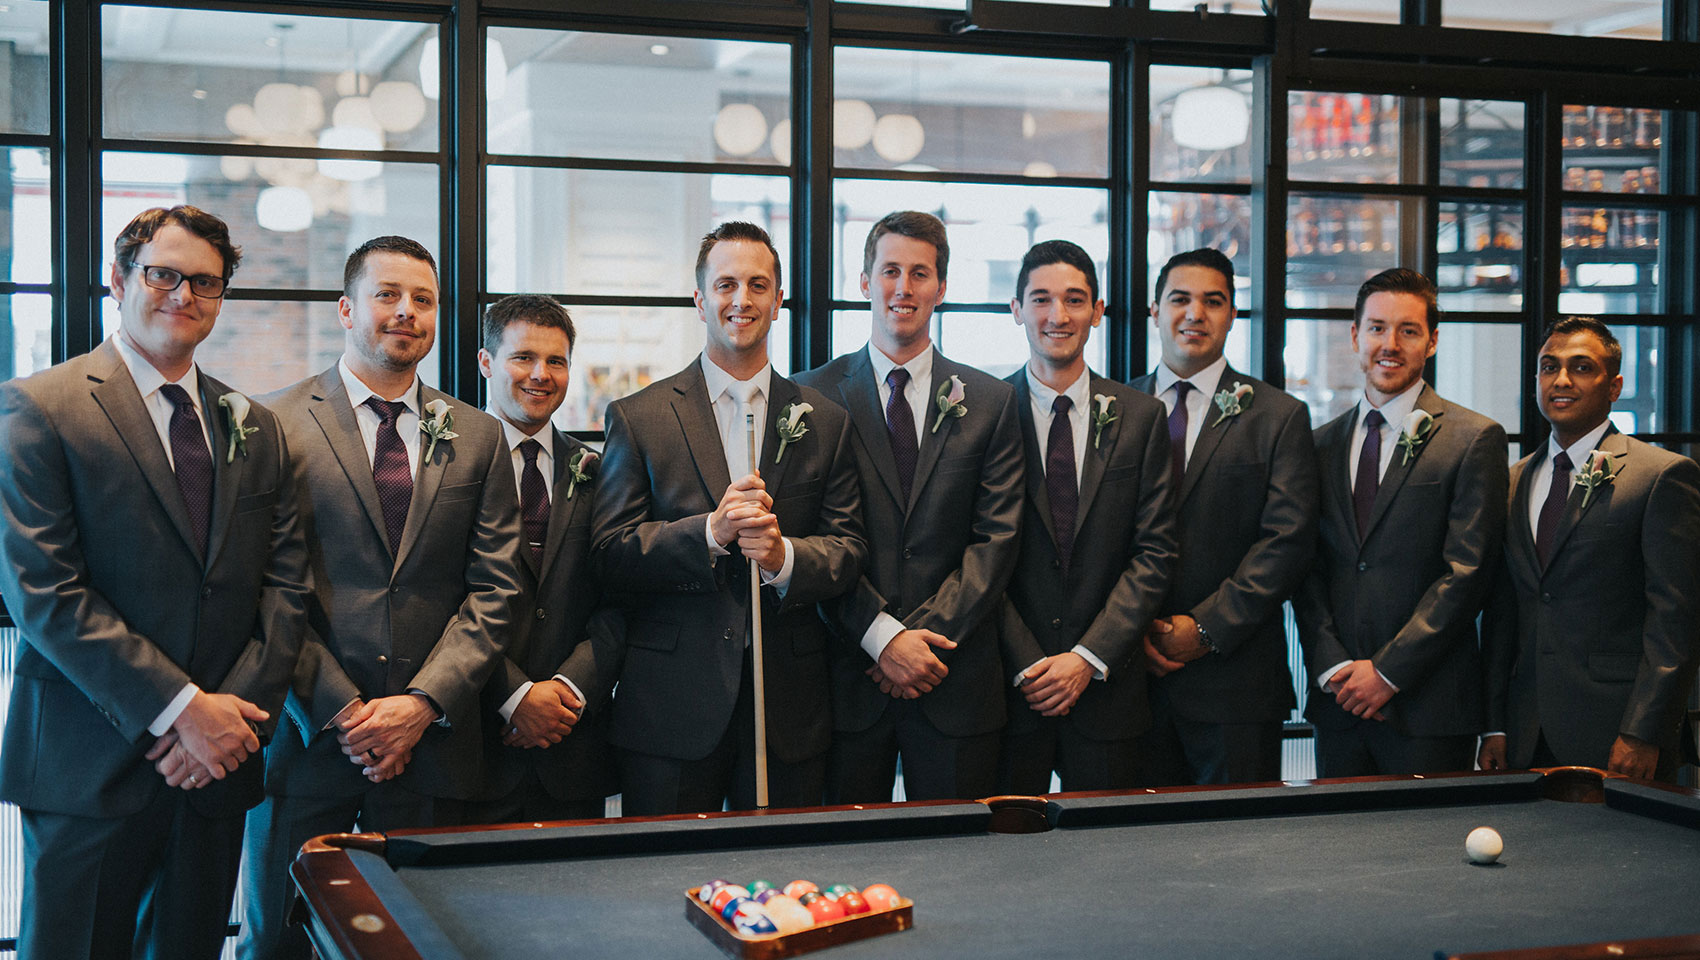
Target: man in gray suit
1246, 499
547, 758
681, 510
917, 672
1099, 544
159, 582
1591, 644
413, 528
1413, 513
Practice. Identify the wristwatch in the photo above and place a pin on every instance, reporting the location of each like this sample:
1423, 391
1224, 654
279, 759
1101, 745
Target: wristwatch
1204, 638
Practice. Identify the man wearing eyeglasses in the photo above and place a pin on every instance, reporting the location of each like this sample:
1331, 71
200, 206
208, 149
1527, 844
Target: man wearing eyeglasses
160, 586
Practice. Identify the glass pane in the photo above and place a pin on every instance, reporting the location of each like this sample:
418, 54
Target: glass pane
1642, 405
1367, 11
971, 113
993, 342
23, 67
991, 226
1212, 6
1334, 244
1343, 137
1631, 19
26, 248
618, 233
1189, 221
572, 93
268, 78
1611, 261
295, 224
26, 334
1200, 125
1322, 370
1481, 143
1481, 256
1474, 367
1616, 149
1237, 349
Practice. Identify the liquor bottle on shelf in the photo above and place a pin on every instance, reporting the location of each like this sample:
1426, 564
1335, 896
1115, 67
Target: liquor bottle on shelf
1307, 227
1388, 134
1370, 218
1596, 181
1598, 226
1576, 125
1333, 230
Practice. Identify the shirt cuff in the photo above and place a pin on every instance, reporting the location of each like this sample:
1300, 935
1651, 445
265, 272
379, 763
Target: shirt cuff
442, 715
714, 549
173, 710
574, 688
781, 579
1493, 733
1327, 675
512, 702
1100, 670
1022, 675
880, 633
1384, 679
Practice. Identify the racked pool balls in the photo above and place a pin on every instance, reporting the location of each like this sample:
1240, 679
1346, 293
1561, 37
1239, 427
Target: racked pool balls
750, 920
725, 895
787, 914
880, 896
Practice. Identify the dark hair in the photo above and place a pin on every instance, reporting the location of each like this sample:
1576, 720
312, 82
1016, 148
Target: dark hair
1207, 257
529, 308
1047, 252
1565, 326
735, 230
147, 224
356, 262
1400, 280
916, 225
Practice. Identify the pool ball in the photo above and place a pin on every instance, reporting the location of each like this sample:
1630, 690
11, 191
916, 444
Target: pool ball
796, 888
757, 886
852, 903
880, 896
810, 897
732, 906
1484, 845
788, 915
824, 910
706, 892
764, 895
750, 920
725, 894
838, 889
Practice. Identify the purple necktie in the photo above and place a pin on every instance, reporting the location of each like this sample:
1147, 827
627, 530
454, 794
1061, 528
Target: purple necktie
1369, 472
900, 424
533, 499
1060, 487
1177, 433
1547, 527
390, 470
191, 459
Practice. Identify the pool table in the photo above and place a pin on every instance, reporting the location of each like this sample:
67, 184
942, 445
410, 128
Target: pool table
1593, 867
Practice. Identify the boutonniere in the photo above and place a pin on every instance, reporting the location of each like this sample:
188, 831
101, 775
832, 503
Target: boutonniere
1598, 470
1233, 402
438, 426
1103, 414
791, 426
236, 419
582, 466
950, 401
1418, 425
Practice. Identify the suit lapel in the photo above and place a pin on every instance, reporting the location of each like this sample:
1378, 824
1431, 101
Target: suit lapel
119, 397
1036, 491
335, 416
1612, 443
1401, 466
1210, 436
783, 394
429, 476
227, 477
862, 398
1520, 539
695, 411
561, 509
933, 441
1092, 465
1334, 456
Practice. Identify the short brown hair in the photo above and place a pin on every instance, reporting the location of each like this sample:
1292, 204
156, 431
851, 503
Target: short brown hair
916, 225
529, 308
356, 262
735, 230
147, 224
1565, 326
1400, 280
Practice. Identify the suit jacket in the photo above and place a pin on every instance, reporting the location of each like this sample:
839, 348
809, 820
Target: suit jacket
433, 617
1118, 568
1407, 597
1247, 517
687, 611
560, 630
940, 559
117, 605
1603, 641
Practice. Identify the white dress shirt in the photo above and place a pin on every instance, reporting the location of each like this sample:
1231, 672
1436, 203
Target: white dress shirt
725, 393
406, 423
148, 381
1541, 483
1205, 383
920, 367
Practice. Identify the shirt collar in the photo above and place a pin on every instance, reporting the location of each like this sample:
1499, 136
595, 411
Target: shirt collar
920, 366
515, 436
358, 392
1079, 392
1579, 450
719, 380
149, 379
1205, 381
1397, 409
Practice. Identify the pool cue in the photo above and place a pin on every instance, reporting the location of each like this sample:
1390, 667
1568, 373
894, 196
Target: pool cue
755, 644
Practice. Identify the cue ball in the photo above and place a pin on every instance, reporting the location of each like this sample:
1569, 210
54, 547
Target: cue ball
1484, 845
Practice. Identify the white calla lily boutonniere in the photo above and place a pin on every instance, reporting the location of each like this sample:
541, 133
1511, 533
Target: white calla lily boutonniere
950, 401
1419, 424
1232, 403
1598, 470
791, 426
1103, 414
582, 467
236, 408
438, 426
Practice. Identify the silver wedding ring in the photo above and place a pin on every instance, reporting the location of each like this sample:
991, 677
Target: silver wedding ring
193, 778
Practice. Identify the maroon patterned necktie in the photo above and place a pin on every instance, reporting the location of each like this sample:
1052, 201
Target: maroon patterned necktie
191, 460
390, 470
1177, 433
1368, 483
1060, 486
533, 499
900, 424
1546, 528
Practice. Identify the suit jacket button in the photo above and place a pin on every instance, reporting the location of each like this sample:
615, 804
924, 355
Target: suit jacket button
395, 590
907, 553
542, 614
1056, 564
897, 612
1362, 566
206, 593
1546, 598
1056, 624
728, 634
383, 659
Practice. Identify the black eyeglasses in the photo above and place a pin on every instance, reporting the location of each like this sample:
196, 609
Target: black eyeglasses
205, 285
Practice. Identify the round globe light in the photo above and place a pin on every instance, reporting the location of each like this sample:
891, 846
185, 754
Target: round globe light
899, 137
398, 105
852, 124
1039, 168
284, 209
740, 129
780, 142
1210, 118
241, 120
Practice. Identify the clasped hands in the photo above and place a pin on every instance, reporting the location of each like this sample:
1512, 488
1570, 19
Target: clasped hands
379, 735
744, 520
908, 667
211, 737
1171, 643
544, 716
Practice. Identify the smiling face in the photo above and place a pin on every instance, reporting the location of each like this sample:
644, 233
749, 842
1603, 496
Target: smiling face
1574, 385
528, 374
166, 326
1193, 315
1392, 341
739, 302
391, 316
1058, 313
903, 289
